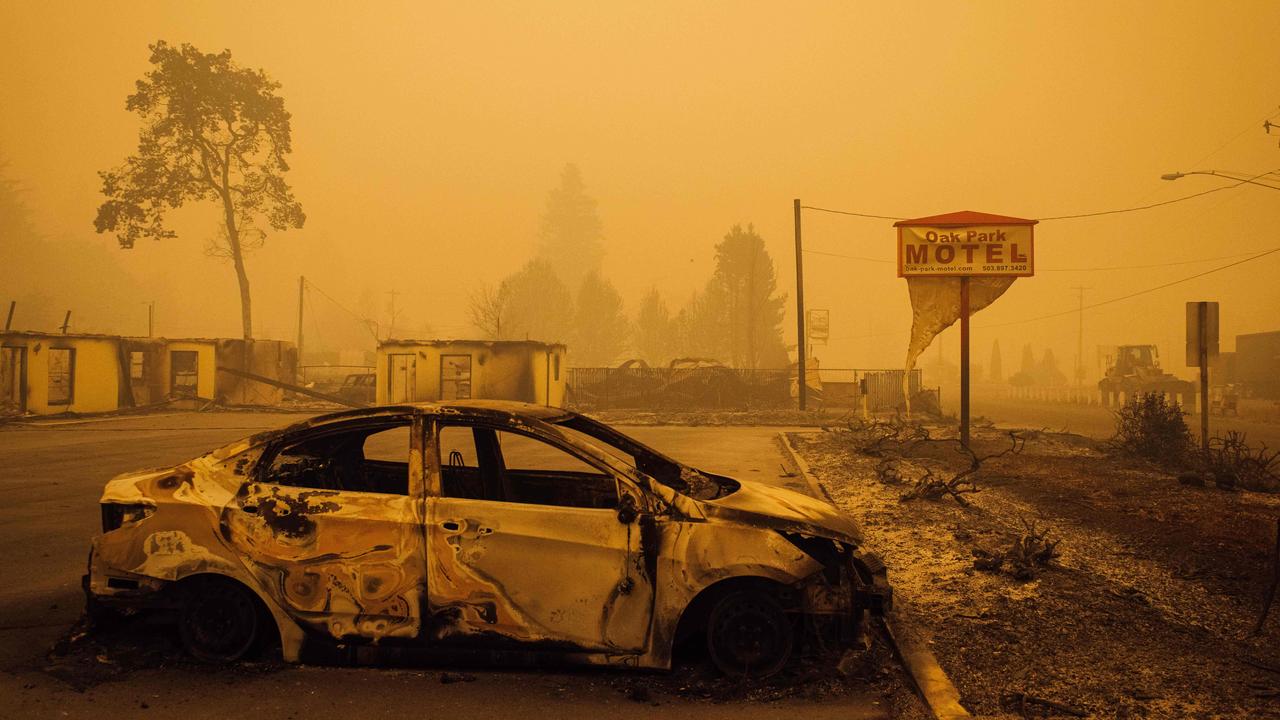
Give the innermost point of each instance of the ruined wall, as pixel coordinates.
(275, 359)
(151, 387)
(499, 371)
(506, 372)
(95, 374)
(206, 365)
(550, 377)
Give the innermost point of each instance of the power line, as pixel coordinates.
(1094, 305)
(848, 257)
(1076, 216)
(364, 321)
(1136, 294)
(1235, 137)
(342, 307)
(850, 212)
(1151, 265)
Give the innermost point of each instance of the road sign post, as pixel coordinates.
(1202, 345)
(964, 360)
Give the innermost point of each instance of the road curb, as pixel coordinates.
(931, 682)
(815, 488)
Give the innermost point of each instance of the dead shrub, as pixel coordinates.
(1152, 427)
(935, 487)
(1233, 463)
(1026, 555)
(889, 472)
(875, 437)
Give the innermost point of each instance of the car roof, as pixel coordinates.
(490, 409)
(545, 413)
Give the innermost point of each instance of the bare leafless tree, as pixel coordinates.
(487, 310)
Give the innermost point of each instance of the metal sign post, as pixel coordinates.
(1202, 345)
(963, 245)
(964, 360)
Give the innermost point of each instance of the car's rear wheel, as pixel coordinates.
(749, 634)
(219, 621)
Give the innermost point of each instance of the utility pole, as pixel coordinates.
(801, 380)
(8, 321)
(1080, 336)
(151, 318)
(66, 322)
(302, 289)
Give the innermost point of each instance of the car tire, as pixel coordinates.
(219, 620)
(749, 634)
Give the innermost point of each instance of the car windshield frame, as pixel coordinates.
(672, 473)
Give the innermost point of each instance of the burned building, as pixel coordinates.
(52, 373)
(524, 370)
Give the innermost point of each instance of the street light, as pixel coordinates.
(1251, 180)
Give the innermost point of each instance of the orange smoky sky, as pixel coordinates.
(427, 136)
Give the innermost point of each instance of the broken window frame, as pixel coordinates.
(261, 472)
(622, 487)
(137, 366)
(456, 379)
(67, 395)
(184, 390)
(15, 356)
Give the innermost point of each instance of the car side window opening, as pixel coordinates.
(483, 463)
(371, 458)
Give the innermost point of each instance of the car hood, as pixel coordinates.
(757, 503)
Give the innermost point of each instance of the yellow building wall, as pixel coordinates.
(206, 366)
(499, 371)
(95, 384)
(549, 373)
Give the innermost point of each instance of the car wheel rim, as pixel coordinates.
(220, 622)
(751, 637)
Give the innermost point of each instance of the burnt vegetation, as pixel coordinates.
(1154, 428)
(1232, 462)
(1029, 552)
(910, 457)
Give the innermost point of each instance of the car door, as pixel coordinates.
(331, 522)
(533, 543)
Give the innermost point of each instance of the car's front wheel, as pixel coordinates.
(219, 621)
(749, 634)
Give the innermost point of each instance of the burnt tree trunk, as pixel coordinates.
(237, 259)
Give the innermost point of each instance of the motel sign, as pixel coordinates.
(990, 245)
(939, 255)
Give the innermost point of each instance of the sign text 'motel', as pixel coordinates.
(979, 249)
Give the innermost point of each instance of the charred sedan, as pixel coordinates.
(476, 527)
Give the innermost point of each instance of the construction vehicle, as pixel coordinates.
(1134, 370)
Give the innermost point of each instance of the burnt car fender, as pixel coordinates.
(872, 591)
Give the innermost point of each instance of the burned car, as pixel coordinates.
(476, 527)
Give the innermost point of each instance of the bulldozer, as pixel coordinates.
(1135, 369)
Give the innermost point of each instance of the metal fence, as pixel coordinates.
(722, 388)
(328, 378)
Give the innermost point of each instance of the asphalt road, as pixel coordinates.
(50, 479)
